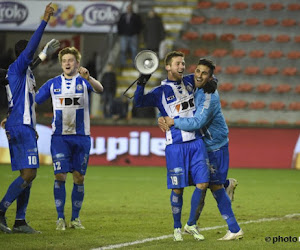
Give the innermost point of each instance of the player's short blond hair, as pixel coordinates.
(69, 50)
(170, 55)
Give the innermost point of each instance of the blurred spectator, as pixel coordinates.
(119, 109)
(146, 112)
(7, 58)
(109, 83)
(129, 27)
(154, 31)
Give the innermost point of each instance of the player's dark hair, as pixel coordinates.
(20, 46)
(208, 63)
(170, 55)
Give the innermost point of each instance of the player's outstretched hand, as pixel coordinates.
(49, 49)
(211, 86)
(143, 79)
(84, 73)
(49, 11)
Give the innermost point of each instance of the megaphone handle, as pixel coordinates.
(129, 88)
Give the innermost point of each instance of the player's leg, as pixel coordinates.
(81, 148)
(176, 181)
(199, 172)
(61, 163)
(24, 157)
(219, 161)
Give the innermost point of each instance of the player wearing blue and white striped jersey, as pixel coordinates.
(20, 128)
(186, 156)
(70, 142)
(209, 118)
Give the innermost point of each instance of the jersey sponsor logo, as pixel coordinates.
(170, 98)
(183, 106)
(66, 102)
(56, 90)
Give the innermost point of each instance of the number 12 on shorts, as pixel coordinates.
(57, 166)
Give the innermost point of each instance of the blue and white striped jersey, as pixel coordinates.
(70, 102)
(173, 99)
(21, 87)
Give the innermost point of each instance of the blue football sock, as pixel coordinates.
(13, 191)
(176, 204)
(195, 203)
(77, 199)
(224, 205)
(60, 198)
(22, 203)
(226, 184)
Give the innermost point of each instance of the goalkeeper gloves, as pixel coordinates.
(49, 48)
(143, 79)
(211, 86)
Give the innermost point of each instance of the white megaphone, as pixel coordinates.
(146, 62)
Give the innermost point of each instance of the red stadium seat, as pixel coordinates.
(283, 88)
(289, 71)
(258, 6)
(220, 52)
(297, 89)
(288, 22)
(264, 38)
(277, 105)
(197, 20)
(184, 51)
(240, 6)
(238, 53)
(190, 35)
(251, 70)
(281, 122)
(294, 7)
(209, 36)
(222, 5)
(223, 103)
(232, 70)
(275, 54)
(227, 37)
(215, 20)
(201, 52)
(264, 88)
(226, 87)
(252, 21)
(256, 54)
(295, 106)
(218, 69)
(239, 104)
(297, 39)
(262, 122)
(245, 37)
(270, 22)
(234, 21)
(191, 68)
(276, 6)
(257, 105)
(270, 70)
(245, 87)
(204, 5)
(293, 54)
(282, 38)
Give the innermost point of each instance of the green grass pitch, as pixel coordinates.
(128, 204)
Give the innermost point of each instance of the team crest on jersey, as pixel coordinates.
(189, 88)
(79, 87)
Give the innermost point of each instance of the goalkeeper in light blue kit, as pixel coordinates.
(186, 155)
(70, 142)
(209, 118)
(20, 128)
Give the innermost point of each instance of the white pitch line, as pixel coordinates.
(202, 229)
